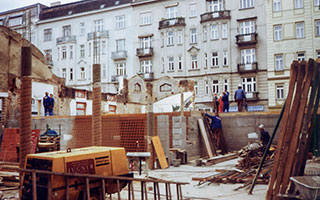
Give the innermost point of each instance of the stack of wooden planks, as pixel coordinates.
(246, 168)
(296, 127)
(9, 177)
(49, 143)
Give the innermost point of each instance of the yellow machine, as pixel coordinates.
(104, 161)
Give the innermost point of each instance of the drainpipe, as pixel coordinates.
(96, 106)
(25, 105)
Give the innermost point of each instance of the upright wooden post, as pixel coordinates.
(96, 107)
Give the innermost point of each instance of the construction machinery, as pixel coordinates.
(102, 161)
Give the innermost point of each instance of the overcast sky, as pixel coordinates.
(12, 4)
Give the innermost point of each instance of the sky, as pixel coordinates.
(13, 4)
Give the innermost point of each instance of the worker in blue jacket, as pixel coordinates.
(51, 105)
(240, 97)
(46, 104)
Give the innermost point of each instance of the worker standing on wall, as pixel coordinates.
(46, 104)
(240, 97)
(51, 105)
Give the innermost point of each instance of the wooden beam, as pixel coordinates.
(205, 137)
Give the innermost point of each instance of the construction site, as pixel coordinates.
(166, 155)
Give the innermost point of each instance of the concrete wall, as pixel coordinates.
(235, 129)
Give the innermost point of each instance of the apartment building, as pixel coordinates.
(23, 20)
(293, 33)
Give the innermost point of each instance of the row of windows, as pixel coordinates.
(299, 30)
(298, 4)
(300, 56)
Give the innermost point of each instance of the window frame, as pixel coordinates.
(300, 32)
(278, 62)
(280, 92)
(193, 36)
(214, 32)
(215, 59)
(120, 21)
(276, 5)
(170, 64)
(277, 34)
(47, 34)
(215, 86)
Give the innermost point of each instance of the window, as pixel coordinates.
(180, 37)
(58, 53)
(66, 31)
(64, 53)
(146, 42)
(180, 63)
(279, 62)
(82, 73)
(15, 21)
(81, 108)
(82, 51)
(193, 36)
(215, 5)
(215, 86)
(170, 64)
(317, 23)
(170, 38)
(96, 49)
(196, 87)
(194, 62)
(300, 30)
(98, 25)
(104, 71)
(205, 33)
(120, 45)
(80, 94)
(137, 87)
(162, 64)
(301, 57)
(89, 49)
(206, 86)
(215, 61)
(247, 27)
(48, 55)
(214, 32)
(224, 31)
(71, 74)
(120, 21)
(276, 5)
(278, 32)
(103, 44)
(193, 10)
(165, 87)
(47, 34)
(162, 39)
(121, 69)
(82, 28)
(205, 55)
(316, 2)
(64, 72)
(298, 4)
(246, 4)
(145, 18)
(71, 52)
(225, 58)
(280, 92)
(248, 56)
(171, 12)
(146, 66)
(226, 85)
(249, 84)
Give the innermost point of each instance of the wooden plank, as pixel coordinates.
(293, 78)
(67, 188)
(103, 189)
(219, 159)
(34, 186)
(87, 188)
(159, 151)
(289, 129)
(297, 127)
(118, 189)
(205, 137)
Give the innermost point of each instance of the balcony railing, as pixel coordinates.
(68, 39)
(145, 52)
(99, 34)
(252, 96)
(249, 67)
(147, 76)
(119, 55)
(245, 39)
(216, 15)
(179, 21)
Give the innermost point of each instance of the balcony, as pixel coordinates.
(68, 39)
(247, 39)
(216, 15)
(116, 78)
(247, 68)
(100, 34)
(119, 55)
(145, 52)
(252, 96)
(166, 23)
(147, 76)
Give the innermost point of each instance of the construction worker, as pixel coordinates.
(51, 105)
(240, 97)
(264, 135)
(46, 104)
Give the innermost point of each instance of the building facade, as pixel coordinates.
(293, 33)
